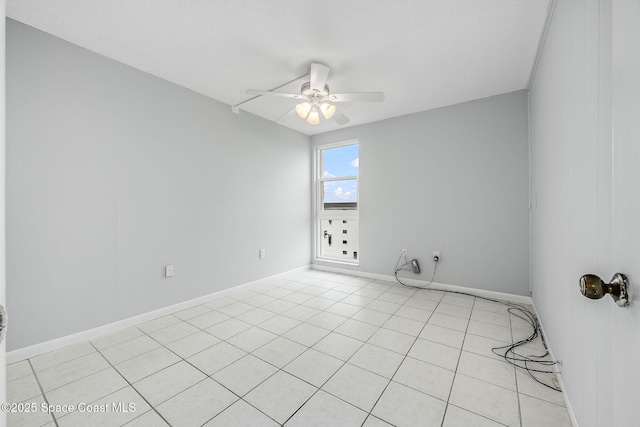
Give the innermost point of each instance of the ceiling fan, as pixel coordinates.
(317, 99)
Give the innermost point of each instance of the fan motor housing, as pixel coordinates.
(307, 91)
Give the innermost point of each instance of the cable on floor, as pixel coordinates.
(510, 354)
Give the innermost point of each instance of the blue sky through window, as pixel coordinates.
(341, 162)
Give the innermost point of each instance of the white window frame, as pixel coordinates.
(320, 212)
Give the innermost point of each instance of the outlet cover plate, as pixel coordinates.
(168, 271)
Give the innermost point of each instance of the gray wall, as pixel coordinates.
(113, 173)
(585, 185)
(453, 179)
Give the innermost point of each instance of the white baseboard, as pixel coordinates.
(438, 286)
(558, 374)
(58, 343)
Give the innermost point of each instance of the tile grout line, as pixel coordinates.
(207, 377)
(403, 358)
(461, 349)
(311, 347)
(241, 397)
(515, 373)
(279, 369)
(345, 362)
(369, 414)
(336, 371)
(132, 387)
(455, 373)
(481, 355)
(44, 397)
(282, 369)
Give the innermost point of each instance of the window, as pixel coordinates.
(337, 179)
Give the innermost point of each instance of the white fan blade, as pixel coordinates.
(357, 97)
(318, 76)
(340, 118)
(287, 115)
(282, 94)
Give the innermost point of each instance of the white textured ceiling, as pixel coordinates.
(422, 54)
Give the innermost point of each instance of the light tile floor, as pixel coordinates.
(310, 349)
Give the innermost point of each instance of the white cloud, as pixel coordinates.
(326, 174)
(342, 195)
(355, 162)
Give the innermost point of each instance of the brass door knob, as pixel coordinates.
(592, 286)
(3, 322)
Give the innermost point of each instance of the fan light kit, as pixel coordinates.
(309, 109)
(316, 98)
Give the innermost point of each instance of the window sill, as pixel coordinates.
(336, 261)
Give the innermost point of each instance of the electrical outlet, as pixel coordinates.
(436, 256)
(168, 271)
(404, 253)
(262, 253)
